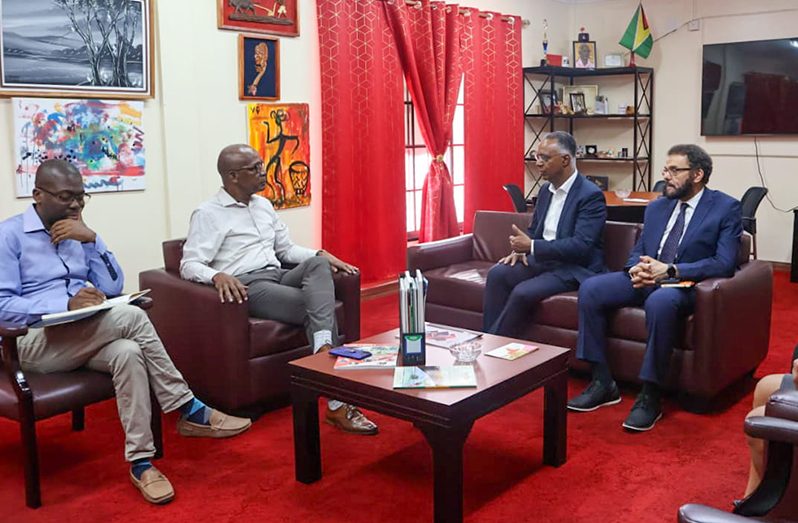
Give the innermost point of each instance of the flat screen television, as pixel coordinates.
(750, 88)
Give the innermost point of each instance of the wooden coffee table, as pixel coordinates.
(444, 416)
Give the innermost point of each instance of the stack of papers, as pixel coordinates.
(412, 297)
(382, 357)
(57, 318)
(434, 377)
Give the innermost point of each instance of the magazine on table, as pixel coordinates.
(455, 376)
(448, 337)
(382, 357)
(512, 351)
(57, 318)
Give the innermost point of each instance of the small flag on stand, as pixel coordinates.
(637, 37)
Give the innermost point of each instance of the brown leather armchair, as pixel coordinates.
(725, 339)
(230, 360)
(776, 499)
(27, 397)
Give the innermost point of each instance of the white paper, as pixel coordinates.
(57, 318)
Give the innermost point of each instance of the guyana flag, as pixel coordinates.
(637, 37)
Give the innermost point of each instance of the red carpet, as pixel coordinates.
(610, 475)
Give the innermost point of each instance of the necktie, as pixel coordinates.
(668, 253)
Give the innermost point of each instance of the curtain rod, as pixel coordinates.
(417, 4)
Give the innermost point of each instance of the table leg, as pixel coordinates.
(447, 462)
(555, 420)
(307, 448)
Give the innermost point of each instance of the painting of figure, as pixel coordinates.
(103, 139)
(279, 17)
(85, 48)
(280, 133)
(258, 68)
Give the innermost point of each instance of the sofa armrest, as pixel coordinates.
(440, 253)
(347, 290)
(783, 405)
(694, 513)
(732, 315)
(772, 429)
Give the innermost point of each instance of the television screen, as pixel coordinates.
(750, 88)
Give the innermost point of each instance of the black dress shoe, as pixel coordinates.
(594, 396)
(645, 413)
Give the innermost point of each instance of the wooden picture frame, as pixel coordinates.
(258, 67)
(75, 58)
(590, 93)
(585, 54)
(276, 17)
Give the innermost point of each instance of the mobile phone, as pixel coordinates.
(348, 352)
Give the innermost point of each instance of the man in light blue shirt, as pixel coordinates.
(51, 261)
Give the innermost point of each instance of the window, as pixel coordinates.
(418, 159)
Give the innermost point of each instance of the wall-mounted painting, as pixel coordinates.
(76, 48)
(280, 133)
(103, 139)
(258, 68)
(278, 17)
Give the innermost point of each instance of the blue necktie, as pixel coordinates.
(668, 253)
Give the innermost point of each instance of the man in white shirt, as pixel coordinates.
(562, 247)
(237, 243)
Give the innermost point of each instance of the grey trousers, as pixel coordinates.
(122, 342)
(304, 295)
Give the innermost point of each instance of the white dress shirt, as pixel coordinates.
(235, 238)
(554, 212)
(688, 214)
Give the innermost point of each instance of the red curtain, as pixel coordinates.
(428, 37)
(494, 111)
(363, 160)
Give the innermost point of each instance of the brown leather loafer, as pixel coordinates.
(154, 486)
(219, 425)
(349, 419)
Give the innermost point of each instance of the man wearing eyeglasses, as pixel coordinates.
(691, 234)
(237, 243)
(561, 248)
(51, 261)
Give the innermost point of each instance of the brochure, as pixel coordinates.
(512, 351)
(57, 318)
(434, 377)
(382, 357)
(448, 337)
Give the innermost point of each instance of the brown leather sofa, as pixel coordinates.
(230, 360)
(725, 339)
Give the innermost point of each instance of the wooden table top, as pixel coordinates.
(635, 199)
(490, 371)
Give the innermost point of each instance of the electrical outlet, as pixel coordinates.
(694, 25)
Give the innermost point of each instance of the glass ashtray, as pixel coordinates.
(466, 352)
(622, 193)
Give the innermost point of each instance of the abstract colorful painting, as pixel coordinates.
(279, 17)
(103, 139)
(280, 133)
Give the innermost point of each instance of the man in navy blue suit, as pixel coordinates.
(691, 234)
(563, 246)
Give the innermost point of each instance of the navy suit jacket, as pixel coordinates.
(577, 249)
(710, 244)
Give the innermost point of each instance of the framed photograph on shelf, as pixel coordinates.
(548, 101)
(589, 92)
(277, 17)
(578, 103)
(58, 49)
(258, 67)
(585, 55)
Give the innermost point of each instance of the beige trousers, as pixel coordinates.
(122, 342)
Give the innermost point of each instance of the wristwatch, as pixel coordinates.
(671, 271)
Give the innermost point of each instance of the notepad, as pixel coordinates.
(57, 318)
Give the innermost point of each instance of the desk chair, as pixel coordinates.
(27, 397)
(517, 196)
(659, 186)
(750, 201)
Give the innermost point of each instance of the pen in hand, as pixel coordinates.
(86, 297)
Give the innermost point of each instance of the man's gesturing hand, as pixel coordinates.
(71, 229)
(519, 241)
(86, 297)
(338, 265)
(230, 288)
(512, 258)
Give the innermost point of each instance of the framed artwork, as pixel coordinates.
(589, 94)
(103, 139)
(548, 101)
(578, 103)
(280, 133)
(75, 48)
(258, 68)
(584, 55)
(278, 17)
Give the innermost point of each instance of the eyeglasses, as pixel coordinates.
(256, 168)
(66, 197)
(673, 171)
(545, 157)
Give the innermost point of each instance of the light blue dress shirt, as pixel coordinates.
(37, 277)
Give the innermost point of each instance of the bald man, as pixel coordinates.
(237, 243)
(51, 261)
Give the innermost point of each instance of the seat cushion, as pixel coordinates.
(271, 337)
(57, 393)
(461, 285)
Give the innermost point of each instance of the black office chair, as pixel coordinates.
(751, 200)
(517, 196)
(659, 186)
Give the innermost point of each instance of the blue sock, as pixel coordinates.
(139, 466)
(195, 411)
